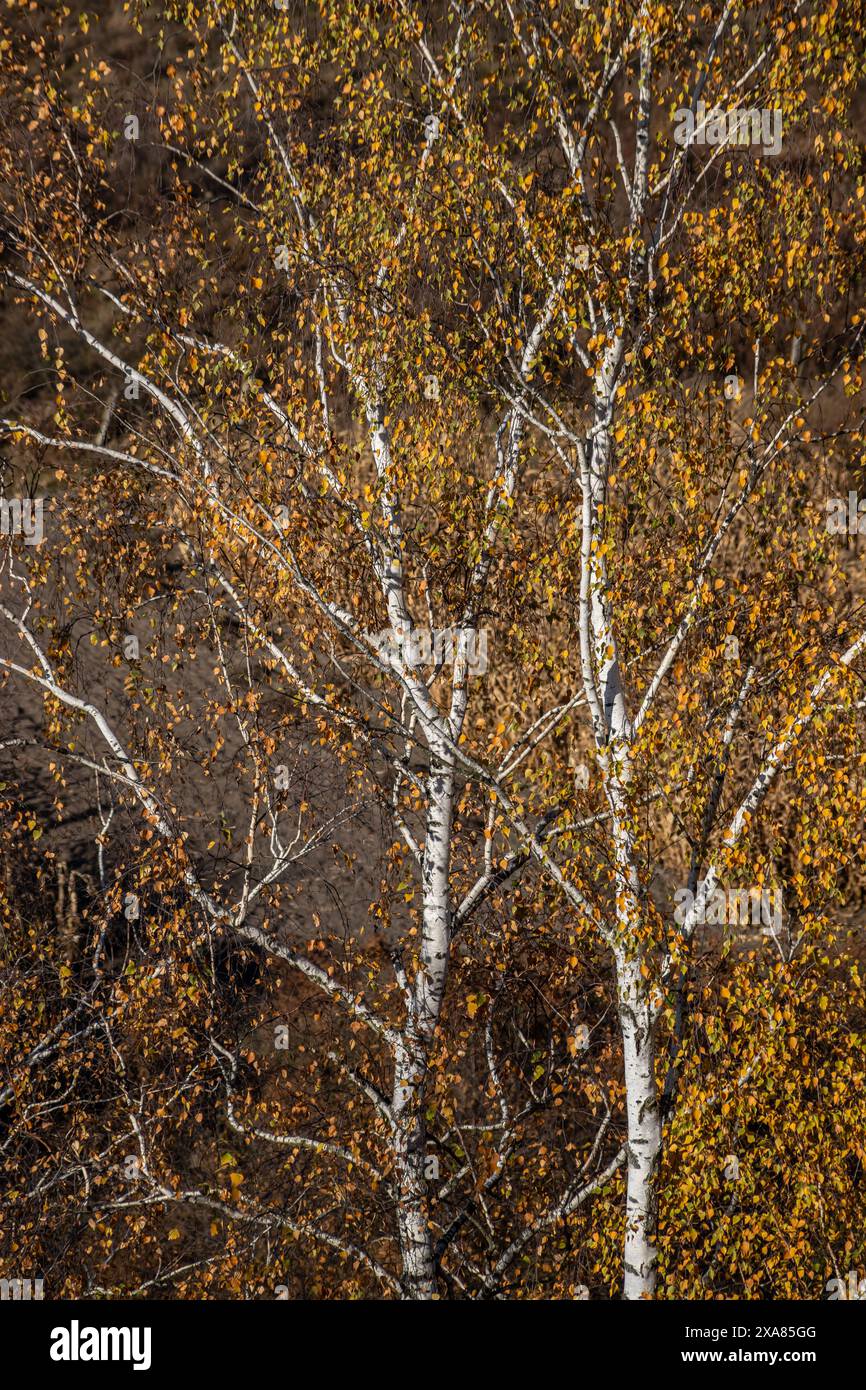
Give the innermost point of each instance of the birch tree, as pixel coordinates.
(483, 376)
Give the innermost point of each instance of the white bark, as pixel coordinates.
(643, 1128)
(416, 1246)
(413, 1052)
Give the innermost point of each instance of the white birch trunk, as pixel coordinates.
(410, 1076)
(644, 1128)
(416, 1247)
